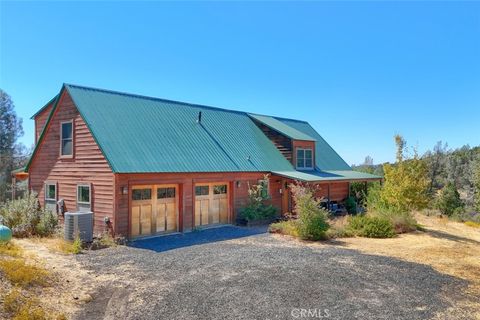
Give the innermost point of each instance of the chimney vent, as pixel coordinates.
(199, 120)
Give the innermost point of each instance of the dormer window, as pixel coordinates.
(66, 139)
(304, 159)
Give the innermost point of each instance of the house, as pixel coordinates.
(148, 166)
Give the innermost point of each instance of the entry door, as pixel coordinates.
(142, 207)
(166, 218)
(211, 203)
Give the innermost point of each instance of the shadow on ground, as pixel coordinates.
(263, 277)
(176, 241)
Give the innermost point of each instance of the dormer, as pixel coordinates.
(297, 147)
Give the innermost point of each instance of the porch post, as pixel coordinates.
(328, 202)
(13, 187)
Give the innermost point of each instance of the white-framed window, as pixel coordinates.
(66, 138)
(304, 158)
(51, 196)
(84, 197)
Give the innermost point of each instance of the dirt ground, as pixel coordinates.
(450, 248)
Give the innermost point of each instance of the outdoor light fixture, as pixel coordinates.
(124, 190)
(239, 184)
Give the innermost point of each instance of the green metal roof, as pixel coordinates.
(144, 134)
(44, 107)
(318, 176)
(141, 134)
(325, 157)
(281, 127)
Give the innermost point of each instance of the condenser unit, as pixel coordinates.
(79, 224)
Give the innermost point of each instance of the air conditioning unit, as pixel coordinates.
(79, 223)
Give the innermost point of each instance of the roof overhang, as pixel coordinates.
(327, 176)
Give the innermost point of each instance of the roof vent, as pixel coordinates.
(199, 119)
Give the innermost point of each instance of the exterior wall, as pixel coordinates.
(40, 121)
(238, 183)
(338, 190)
(302, 144)
(87, 165)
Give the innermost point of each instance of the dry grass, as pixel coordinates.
(20, 273)
(472, 224)
(10, 249)
(449, 247)
(59, 245)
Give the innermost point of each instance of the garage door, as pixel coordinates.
(154, 209)
(211, 203)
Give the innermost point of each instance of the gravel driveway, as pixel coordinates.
(261, 276)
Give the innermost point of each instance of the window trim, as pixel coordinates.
(304, 159)
(89, 185)
(47, 183)
(61, 139)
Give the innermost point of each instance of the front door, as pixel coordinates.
(211, 203)
(153, 209)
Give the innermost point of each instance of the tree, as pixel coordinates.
(476, 184)
(436, 161)
(448, 201)
(10, 130)
(406, 182)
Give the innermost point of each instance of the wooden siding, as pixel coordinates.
(283, 143)
(338, 190)
(87, 165)
(41, 119)
(238, 184)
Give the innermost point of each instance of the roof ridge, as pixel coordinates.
(196, 105)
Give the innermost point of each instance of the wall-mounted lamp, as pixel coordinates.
(123, 190)
(239, 184)
(280, 190)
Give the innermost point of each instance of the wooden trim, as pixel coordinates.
(67, 156)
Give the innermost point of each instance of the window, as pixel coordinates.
(66, 143)
(304, 158)
(164, 193)
(141, 194)
(220, 189)
(201, 191)
(84, 197)
(50, 192)
(51, 196)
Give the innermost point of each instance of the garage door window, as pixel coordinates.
(165, 193)
(201, 190)
(142, 194)
(220, 189)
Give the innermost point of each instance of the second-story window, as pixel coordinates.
(66, 143)
(304, 158)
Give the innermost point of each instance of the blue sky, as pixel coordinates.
(358, 72)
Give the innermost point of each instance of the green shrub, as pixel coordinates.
(312, 219)
(448, 201)
(47, 224)
(256, 208)
(378, 227)
(402, 222)
(351, 205)
(25, 217)
(339, 232)
(289, 228)
(371, 226)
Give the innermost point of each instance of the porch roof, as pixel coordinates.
(330, 175)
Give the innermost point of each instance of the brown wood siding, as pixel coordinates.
(338, 191)
(283, 143)
(88, 165)
(40, 121)
(238, 193)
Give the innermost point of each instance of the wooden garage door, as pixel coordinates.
(211, 203)
(154, 209)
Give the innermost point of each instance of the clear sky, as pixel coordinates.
(358, 72)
